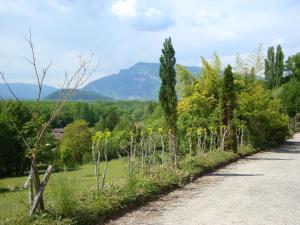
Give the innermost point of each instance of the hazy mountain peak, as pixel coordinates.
(140, 81)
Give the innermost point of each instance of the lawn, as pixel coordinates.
(13, 203)
(90, 208)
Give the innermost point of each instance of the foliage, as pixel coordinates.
(76, 143)
(167, 92)
(292, 66)
(185, 81)
(290, 97)
(264, 120)
(200, 109)
(16, 123)
(274, 67)
(228, 105)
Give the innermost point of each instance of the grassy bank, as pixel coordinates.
(72, 199)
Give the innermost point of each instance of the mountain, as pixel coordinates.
(79, 95)
(140, 81)
(24, 91)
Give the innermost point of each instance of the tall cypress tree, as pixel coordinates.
(274, 66)
(279, 66)
(270, 67)
(228, 104)
(167, 93)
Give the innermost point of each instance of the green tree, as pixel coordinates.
(274, 67)
(263, 116)
(76, 142)
(167, 93)
(290, 97)
(292, 66)
(228, 105)
(270, 67)
(185, 81)
(14, 116)
(279, 66)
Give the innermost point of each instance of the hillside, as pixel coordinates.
(140, 81)
(79, 95)
(24, 91)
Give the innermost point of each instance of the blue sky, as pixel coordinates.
(123, 32)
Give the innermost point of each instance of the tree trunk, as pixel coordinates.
(154, 152)
(129, 163)
(223, 138)
(173, 146)
(190, 145)
(162, 149)
(242, 137)
(230, 142)
(142, 150)
(211, 141)
(104, 171)
(204, 141)
(199, 145)
(97, 169)
(36, 182)
(39, 195)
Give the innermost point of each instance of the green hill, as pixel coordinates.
(79, 95)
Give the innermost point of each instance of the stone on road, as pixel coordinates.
(261, 189)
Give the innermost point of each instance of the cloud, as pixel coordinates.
(152, 19)
(205, 17)
(140, 16)
(124, 8)
(121, 28)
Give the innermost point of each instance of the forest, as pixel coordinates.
(125, 152)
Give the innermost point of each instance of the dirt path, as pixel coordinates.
(261, 189)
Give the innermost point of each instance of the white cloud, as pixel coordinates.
(140, 16)
(124, 8)
(205, 17)
(151, 12)
(152, 19)
(127, 31)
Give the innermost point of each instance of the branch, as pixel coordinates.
(7, 85)
(70, 84)
(39, 77)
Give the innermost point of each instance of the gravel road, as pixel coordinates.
(260, 189)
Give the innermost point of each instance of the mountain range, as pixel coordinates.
(141, 81)
(24, 91)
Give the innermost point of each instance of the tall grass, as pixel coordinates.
(63, 191)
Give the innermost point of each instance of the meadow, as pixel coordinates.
(15, 202)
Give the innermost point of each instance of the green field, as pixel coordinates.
(13, 203)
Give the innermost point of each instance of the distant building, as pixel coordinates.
(58, 133)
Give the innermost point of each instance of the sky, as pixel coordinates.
(123, 32)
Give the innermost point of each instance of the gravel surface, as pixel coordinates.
(260, 189)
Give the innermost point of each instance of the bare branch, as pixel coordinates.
(39, 77)
(8, 86)
(70, 84)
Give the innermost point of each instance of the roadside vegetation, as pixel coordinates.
(117, 155)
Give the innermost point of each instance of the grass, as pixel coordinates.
(14, 203)
(78, 203)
